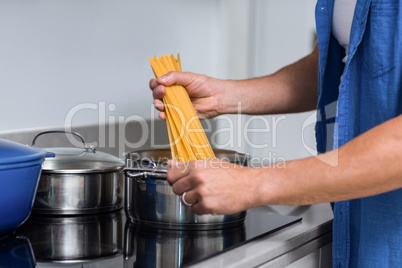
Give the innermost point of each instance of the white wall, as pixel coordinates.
(284, 32)
(85, 62)
(268, 34)
(55, 55)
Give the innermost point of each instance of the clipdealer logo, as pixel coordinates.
(111, 121)
(237, 131)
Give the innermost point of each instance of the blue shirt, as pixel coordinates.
(367, 232)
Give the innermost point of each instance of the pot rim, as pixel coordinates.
(81, 171)
(22, 164)
(148, 166)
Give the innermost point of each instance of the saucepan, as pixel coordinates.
(20, 169)
(79, 180)
(150, 200)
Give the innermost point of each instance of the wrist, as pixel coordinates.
(265, 189)
(233, 97)
(274, 186)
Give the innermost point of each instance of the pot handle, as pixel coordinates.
(133, 173)
(65, 132)
(50, 154)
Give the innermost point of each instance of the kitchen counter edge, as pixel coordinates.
(285, 246)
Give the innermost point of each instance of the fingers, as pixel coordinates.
(162, 116)
(158, 87)
(153, 83)
(173, 78)
(181, 178)
(159, 105)
(177, 170)
(192, 199)
(205, 184)
(178, 78)
(158, 92)
(189, 198)
(182, 185)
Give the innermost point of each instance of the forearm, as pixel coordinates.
(368, 165)
(291, 89)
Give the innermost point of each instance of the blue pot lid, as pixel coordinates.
(13, 152)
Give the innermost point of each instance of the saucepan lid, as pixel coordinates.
(79, 160)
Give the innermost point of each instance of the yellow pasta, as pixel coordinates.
(186, 136)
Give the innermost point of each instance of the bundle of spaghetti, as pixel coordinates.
(187, 138)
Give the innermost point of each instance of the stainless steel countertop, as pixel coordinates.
(289, 244)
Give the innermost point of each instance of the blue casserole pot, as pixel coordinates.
(20, 169)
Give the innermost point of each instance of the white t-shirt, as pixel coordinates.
(342, 22)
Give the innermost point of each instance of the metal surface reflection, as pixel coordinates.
(157, 247)
(16, 251)
(75, 239)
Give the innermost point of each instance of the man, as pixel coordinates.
(361, 171)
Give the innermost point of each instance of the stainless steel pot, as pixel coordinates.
(149, 199)
(75, 239)
(79, 181)
(152, 247)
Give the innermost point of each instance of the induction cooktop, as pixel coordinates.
(111, 240)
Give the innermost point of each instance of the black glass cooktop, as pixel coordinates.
(109, 240)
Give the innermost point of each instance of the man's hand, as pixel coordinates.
(205, 92)
(212, 186)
